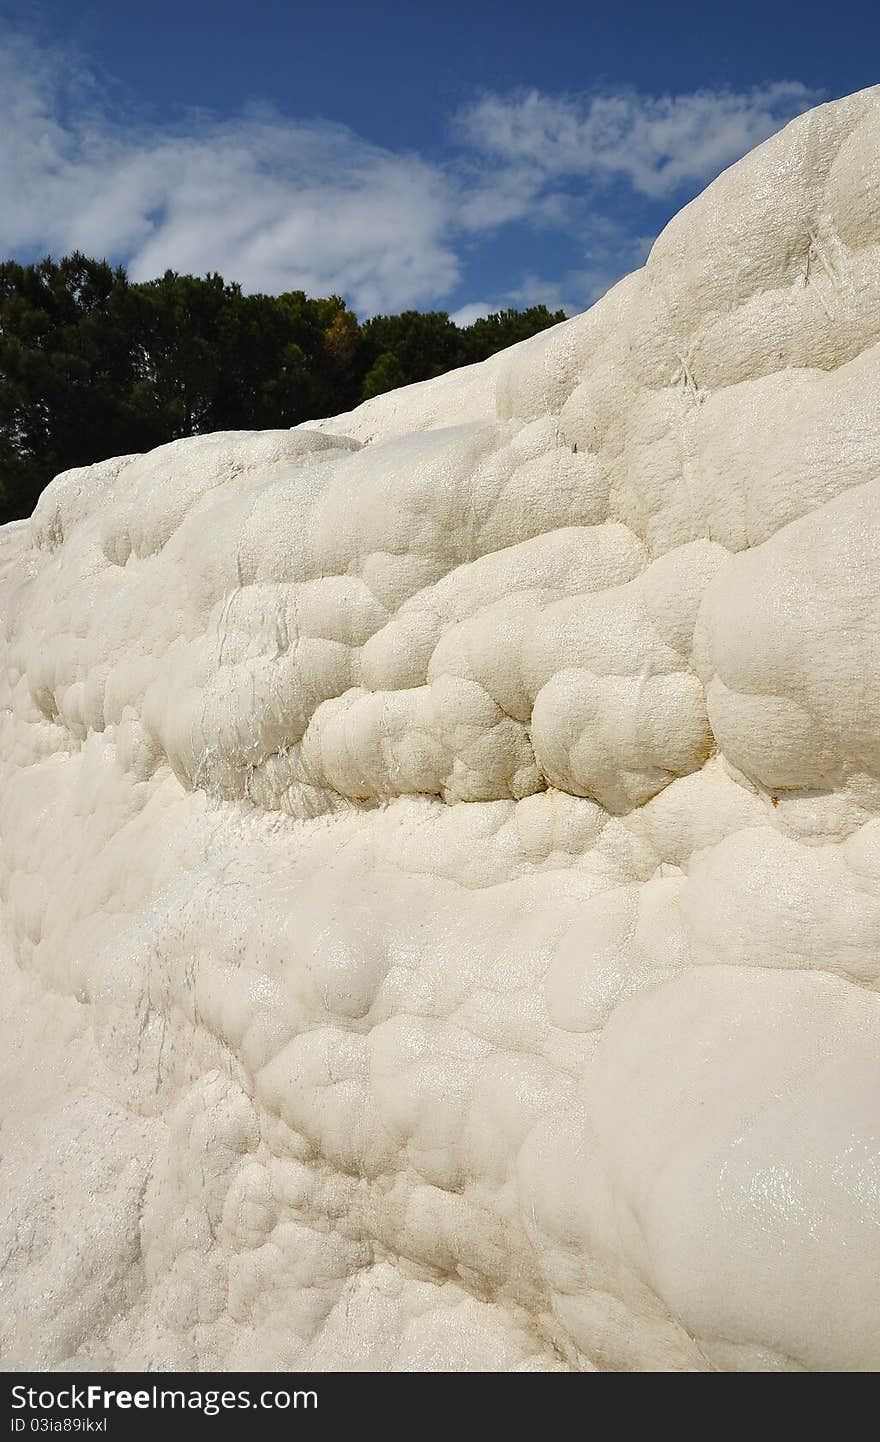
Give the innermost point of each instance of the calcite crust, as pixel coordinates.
(440, 846)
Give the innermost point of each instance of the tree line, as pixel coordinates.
(94, 365)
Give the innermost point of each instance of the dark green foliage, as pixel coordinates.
(65, 363)
(495, 332)
(385, 374)
(425, 344)
(92, 365)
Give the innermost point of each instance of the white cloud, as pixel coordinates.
(475, 310)
(657, 143)
(609, 253)
(278, 204)
(273, 203)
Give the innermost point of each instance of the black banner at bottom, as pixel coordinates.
(126, 1404)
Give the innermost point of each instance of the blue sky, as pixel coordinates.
(460, 157)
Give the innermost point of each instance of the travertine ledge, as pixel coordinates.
(440, 846)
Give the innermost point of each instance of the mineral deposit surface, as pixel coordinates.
(440, 859)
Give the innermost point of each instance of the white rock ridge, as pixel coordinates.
(441, 867)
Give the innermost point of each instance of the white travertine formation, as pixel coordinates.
(440, 866)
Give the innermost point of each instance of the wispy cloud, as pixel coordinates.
(656, 143)
(279, 203)
(273, 203)
(609, 252)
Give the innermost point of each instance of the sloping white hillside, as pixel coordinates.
(440, 846)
